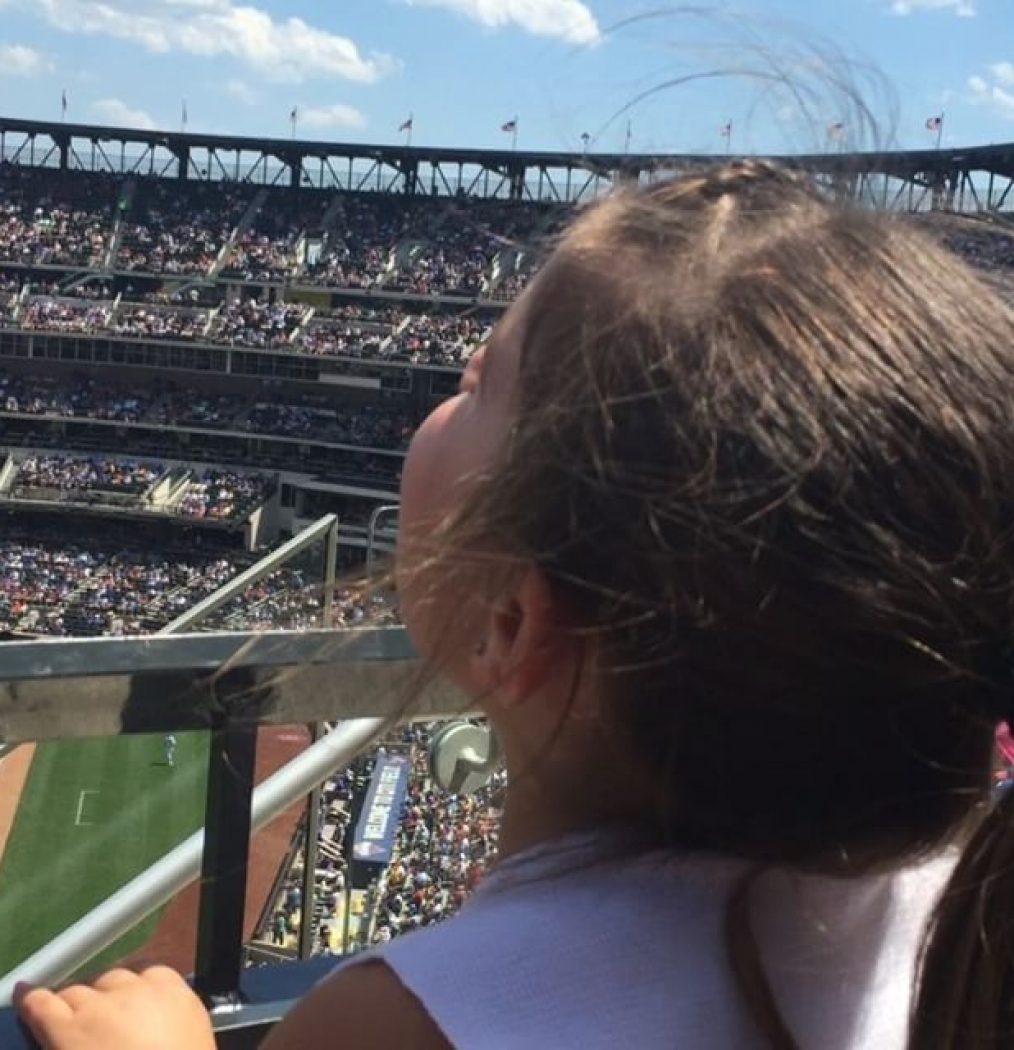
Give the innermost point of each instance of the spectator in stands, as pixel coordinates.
(732, 478)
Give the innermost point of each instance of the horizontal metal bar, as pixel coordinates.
(57, 689)
(70, 950)
(253, 1015)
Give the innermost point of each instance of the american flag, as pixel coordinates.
(726, 130)
(406, 125)
(836, 130)
(934, 123)
(510, 125)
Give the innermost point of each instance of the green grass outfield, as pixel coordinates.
(93, 814)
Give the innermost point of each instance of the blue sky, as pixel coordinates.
(782, 71)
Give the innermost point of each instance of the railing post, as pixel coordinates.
(311, 851)
(330, 572)
(224, 864)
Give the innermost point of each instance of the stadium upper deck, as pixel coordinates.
(297, 306)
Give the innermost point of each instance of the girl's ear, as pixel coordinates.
(524, 634)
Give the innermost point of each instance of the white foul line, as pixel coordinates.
(78, 822)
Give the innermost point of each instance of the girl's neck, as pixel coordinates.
(533, 816)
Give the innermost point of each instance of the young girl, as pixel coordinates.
(718, 532)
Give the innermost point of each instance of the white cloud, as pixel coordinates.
(570, 20)
(16, 60)
(241, 90)
(1004, 72)
(284, 49)
(964, 8)
(116, 112)
(336, 116)
(995, 94)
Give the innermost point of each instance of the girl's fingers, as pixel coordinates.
(44, 1012)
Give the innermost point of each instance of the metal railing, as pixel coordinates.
(101, 927)
(231, 684)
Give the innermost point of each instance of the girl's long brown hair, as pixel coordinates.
(772, 440)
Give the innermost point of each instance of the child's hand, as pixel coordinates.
(153, 1009)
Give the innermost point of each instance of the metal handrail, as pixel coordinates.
(70, 689)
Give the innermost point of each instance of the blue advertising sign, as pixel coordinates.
(378, 823)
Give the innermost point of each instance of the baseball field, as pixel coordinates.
(93, 814)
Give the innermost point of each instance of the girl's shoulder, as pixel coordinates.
(367, 1005)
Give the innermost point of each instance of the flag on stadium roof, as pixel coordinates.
(836, 130)
(406, 125)
(935, 123)
(510, 125)
(726, 130)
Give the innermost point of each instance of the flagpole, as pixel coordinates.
(514, 136)
(183, 116)
(408, 130)
(626, 141)
(940, 131)
(292, 117)
(728, 138)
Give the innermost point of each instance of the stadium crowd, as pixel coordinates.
(66, 315)
(318, 417)
(67, 473)
(216, 494)
(55, 218)
(349, 331)
(284, 414)
(170, 230)
(420, 246)
(79, 397)
(223, 494)
(444, 845)
(109, 579)
(53, 584)
(154, 322)
(379, 333)
(425, 246)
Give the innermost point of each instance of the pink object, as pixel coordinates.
(1005, 743)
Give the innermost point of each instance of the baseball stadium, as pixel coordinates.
(214, 352)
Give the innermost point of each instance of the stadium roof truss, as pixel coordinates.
(979, 179)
